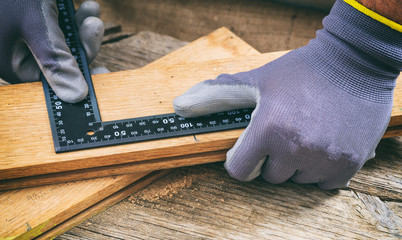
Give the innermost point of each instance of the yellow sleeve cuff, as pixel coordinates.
(374, 15)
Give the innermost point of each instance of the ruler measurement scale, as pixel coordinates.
(79, 126)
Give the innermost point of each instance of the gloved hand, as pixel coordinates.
(320, 110)
(31, 41)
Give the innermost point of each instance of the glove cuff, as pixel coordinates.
(357, 53)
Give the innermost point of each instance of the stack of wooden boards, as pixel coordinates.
(44, 212)
(28, 156)
(29, 159)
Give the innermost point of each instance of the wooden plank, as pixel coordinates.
(231, 46)
(120, 95)
(379, 177)
(114, 170)
(102, 205)
(29, 212)
(203, 202)
(13, 152)
(128, 54)
(133, 53)
(49, 202)
(393, 131)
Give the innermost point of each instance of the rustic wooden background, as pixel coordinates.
(203, 202)
(266, 25)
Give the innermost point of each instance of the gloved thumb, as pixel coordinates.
(225, 93)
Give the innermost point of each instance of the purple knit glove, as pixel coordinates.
(31, 41)
(320, 110)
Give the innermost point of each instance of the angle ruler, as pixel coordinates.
(79, 126)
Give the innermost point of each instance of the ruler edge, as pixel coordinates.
(86, 74)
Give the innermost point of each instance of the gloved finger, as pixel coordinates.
(247, 156)
(328, 173)
(312, 171)
(87, 9)
(24, 63)
(339, 177)
(53, 56)
(99, 70)
(305, 177)
(334, 183)
(278, 169)
(3, 82)
(91, 33)
(211, 96)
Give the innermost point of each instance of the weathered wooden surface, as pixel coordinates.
(56, 203)
(203, 202)
(103, 204)
(266, 25)
(144, 48)
(382, 175)
(29, 212)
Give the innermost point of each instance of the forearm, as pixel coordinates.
(391, 9)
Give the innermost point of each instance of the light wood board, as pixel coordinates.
(103, 204)
(55, 203)
(119, 169)
(29, 212)
(221, 43)
(121, 95)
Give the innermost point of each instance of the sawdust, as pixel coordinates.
(171, 184)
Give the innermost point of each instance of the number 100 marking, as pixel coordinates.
(186, 125)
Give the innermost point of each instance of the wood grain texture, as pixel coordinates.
(33, 154)
(382, 175)
(102, 205)
(136, 52)
(29, 212)
(114, 170)
(129, 53)
(53, 209)
(125, 94)
(231, 45)
(393, 131)
(266, 25)
(205, 203)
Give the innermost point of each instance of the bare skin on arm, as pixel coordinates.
(391, 9)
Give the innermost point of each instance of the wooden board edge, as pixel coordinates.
(56, 219)
(114, 170)
(102, 205)
(132, 167)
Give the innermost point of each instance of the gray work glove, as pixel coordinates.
(31, 41)
(320, 110)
